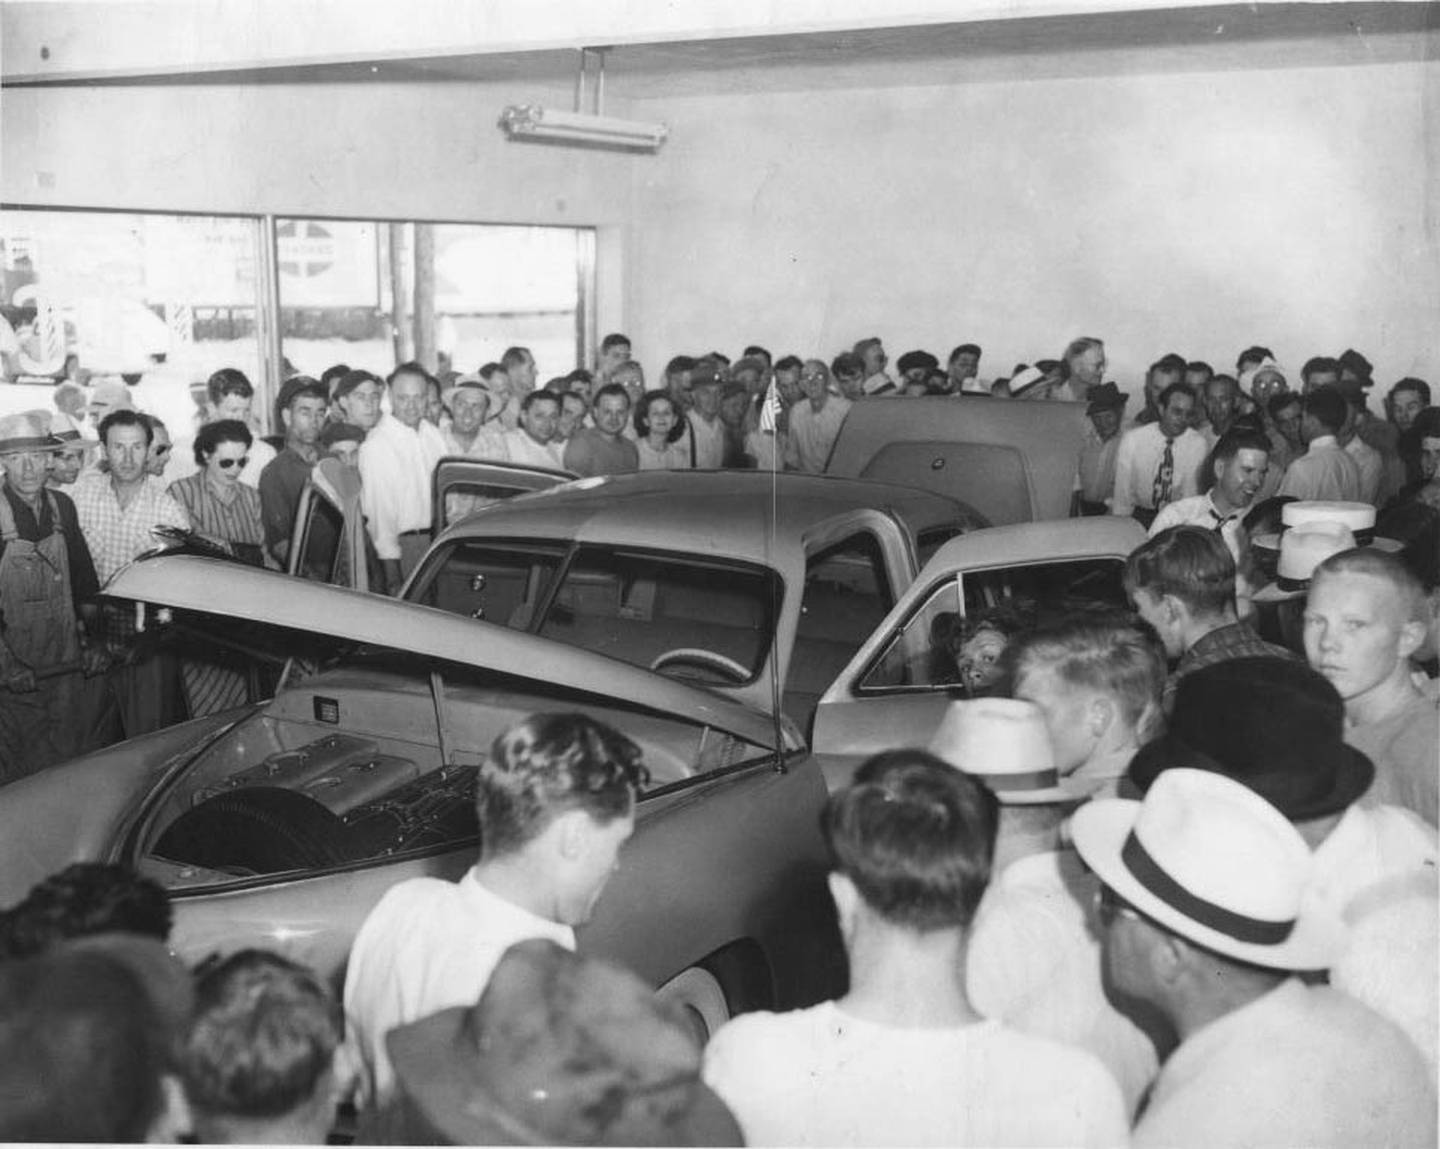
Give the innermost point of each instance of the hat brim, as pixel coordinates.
(432, 1057)
(1271, 592)
(30, 443)
(1099, 830)
(1065, 792)
(1354, 775)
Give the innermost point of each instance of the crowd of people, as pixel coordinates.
(1165, 877)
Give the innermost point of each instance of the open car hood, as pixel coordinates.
(268, 598)
(1012, 461)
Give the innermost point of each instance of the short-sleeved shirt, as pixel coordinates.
(823, 1077)
(118, 536)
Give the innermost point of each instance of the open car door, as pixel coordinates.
(1014, 462)
(463, 485)
(327, 542)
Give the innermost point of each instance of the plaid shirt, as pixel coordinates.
(117, 537)
(1236, 640)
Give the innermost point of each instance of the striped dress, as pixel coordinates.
(217, 682)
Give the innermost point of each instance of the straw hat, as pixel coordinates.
(1003, 743)
(27, 431)
(1302, 549)
(1207, 858)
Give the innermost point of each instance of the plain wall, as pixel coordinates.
(1199, 213)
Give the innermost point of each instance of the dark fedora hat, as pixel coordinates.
(559, 1050)
(1275, 725)
(1105, 397)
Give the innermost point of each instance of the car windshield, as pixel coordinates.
(711, 620)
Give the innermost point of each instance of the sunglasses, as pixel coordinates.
(226, 464)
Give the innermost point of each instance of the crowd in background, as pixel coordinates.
(1167, 877)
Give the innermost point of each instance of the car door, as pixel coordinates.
(462, 485)
(893, 692)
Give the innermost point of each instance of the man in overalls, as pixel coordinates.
(53, 703)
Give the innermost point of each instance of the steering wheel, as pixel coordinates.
(701, 657)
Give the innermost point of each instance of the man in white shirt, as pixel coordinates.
(904, 1058)
(1206, 922)
(1159, 462)
(1324, 472)
(872, 355)
(229, 395)
(533, 441)
(1369, 462)
(556, 801)
(397, 464)
(1106, 412)
(815, 422)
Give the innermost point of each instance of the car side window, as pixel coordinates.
(958, 633)
(500, 584)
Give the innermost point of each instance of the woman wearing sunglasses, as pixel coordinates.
(225, 511)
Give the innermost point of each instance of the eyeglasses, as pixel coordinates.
(1109, 905)
(226, 464)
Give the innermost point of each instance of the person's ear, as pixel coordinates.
(1412, 637)
(174, 1121)
(571, 834)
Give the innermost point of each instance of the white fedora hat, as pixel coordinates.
(1003, 743)
(1302, 549)
(1208, 859)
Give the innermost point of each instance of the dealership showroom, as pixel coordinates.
(720, 572)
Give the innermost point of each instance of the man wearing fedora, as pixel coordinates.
(904, 1058)
(1106, 412)
(555, 799)
(1364, 618)
(1033, 960)
(1203, 891)
(1182, 583)
(1374, 864)
(52, 705)
(558, 1050)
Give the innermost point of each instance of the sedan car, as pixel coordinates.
(282, 824)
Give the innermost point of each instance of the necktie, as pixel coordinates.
(1164, 475)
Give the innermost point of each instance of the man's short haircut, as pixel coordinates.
(612, 389)
(847, 365)
(1282, 399)
(1163, 398)
(1239, 439)
(1256, 354)
(1111, 653)
(301, 387)
(965, 349)
(228, 381)
(125, 417)
(1078, 347)
(262, 1038)
(333, 374)
(614, 339)
(1410, 383)
(1200, 367)
(679, 364)
(912, 359)
(154, 422)
(755, 351)
(916, 837)
(1328, 407)
(539, 397)
(865, 344)
(489, 370)
(410, 367)
(1319, 365)
(548, 765)
(1383, 565)
(211, 435)
(84, 899)
(515, 357)
(789, 363)
(1172, 361)
(557, 385)
(1188, 563)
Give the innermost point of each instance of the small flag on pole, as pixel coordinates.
(770, 410)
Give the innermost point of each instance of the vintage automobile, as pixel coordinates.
(281, 825)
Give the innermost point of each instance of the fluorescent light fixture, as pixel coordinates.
(532, 122)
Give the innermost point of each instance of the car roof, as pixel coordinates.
(738, 514)
(1090, 537)
(233, 590)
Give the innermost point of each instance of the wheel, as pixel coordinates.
(700, 997)
(709, 659)
(257, 830)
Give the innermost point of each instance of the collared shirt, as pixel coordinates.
(709, 441)
(1371, 466)
(397, 464)
(1141, 451)
(813, 433)
(1034, 962)
(231, 514)
(281, 484)
(591, 452)
(1324, 472)
(428, 945)
(84, 585)
(1302, 1065)
(1405, 748)
(1097, 466)
(115, 536)
(487, 444)
(521, 448)
(1234, 640)
(1200, 511)
(823, 1077)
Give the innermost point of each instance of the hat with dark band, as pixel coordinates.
(1105, 397)
(1003, 743)
(27, 431)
